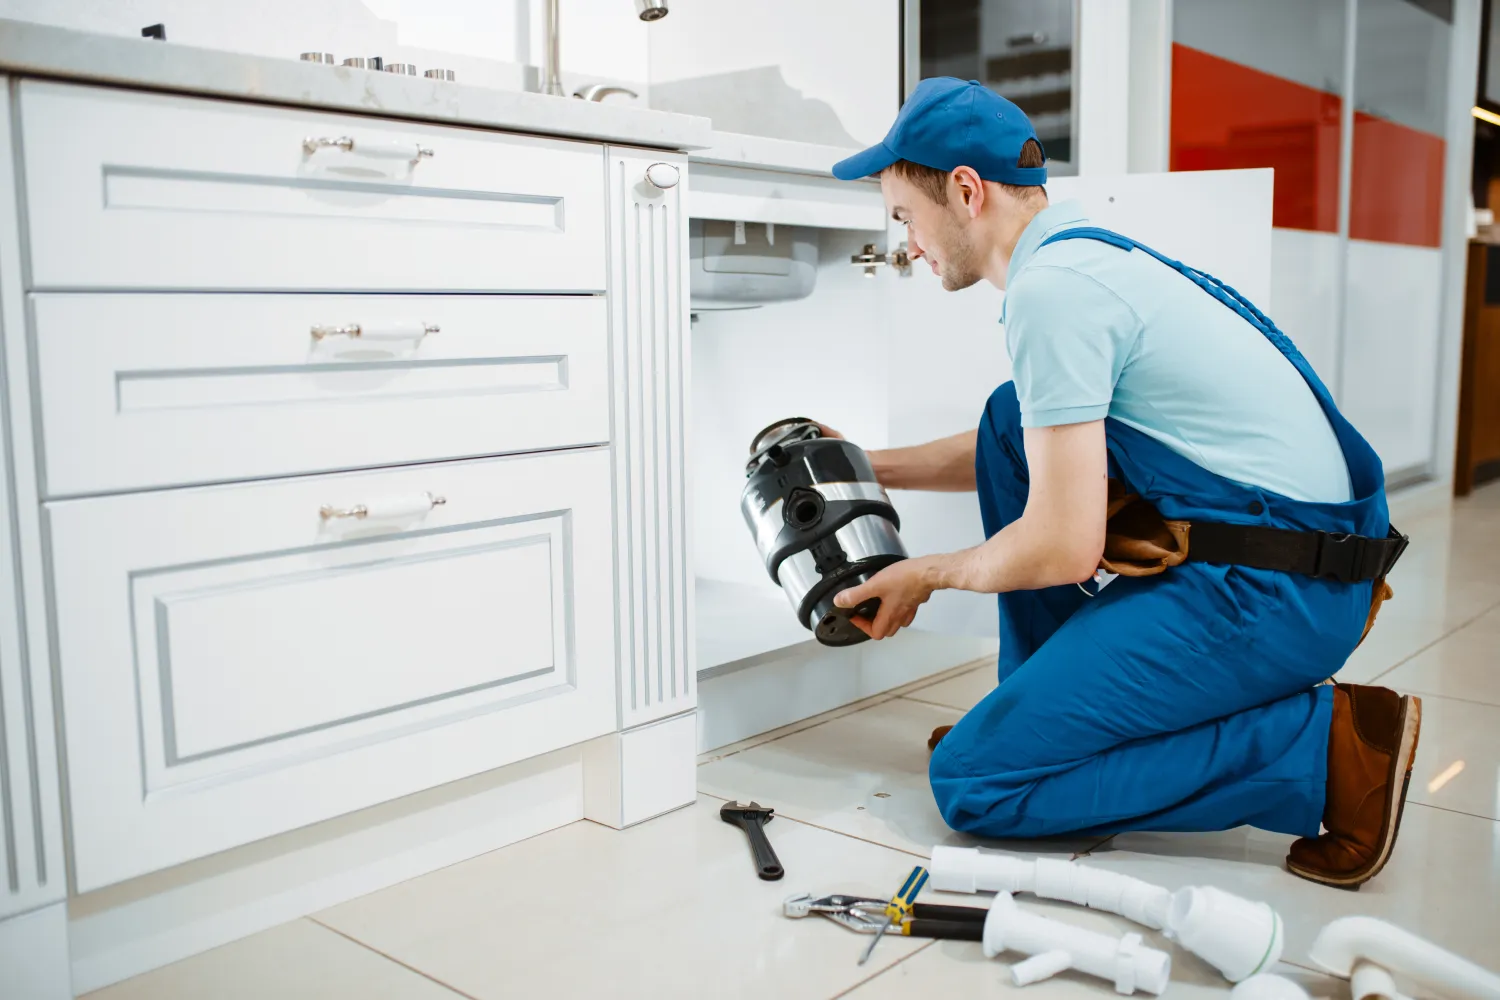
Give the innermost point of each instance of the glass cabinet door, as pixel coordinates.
(1261, 85)
(1021, 49)
(1394, 264)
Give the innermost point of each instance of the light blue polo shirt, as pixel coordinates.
(1094, 331)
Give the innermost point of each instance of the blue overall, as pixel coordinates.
(1184, 701)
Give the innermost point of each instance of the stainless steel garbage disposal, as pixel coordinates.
(821, 521)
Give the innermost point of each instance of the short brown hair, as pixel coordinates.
(934, 183)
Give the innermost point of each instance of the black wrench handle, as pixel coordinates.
(767, 865)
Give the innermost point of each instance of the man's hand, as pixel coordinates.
(902, 588)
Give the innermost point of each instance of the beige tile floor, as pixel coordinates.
(671, 909)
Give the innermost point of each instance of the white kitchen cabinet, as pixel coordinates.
(127, 190)
(234, 664)
(152, 390)
(344, 460)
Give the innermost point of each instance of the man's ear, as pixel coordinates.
(970, 190)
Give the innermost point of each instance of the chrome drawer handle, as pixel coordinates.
(384, 149)
(387, 507)
(397, 330)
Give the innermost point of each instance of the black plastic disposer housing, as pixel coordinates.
(821, 522)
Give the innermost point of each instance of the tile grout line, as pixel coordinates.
(933, 704)
(392, 959)
(845, 711)
(1449, 697)
(879, 698)
(1451, 632)
(1308, 968)
(880, 972)
(863, 704)
(825, 829)
(1456, 812)
(890, 847)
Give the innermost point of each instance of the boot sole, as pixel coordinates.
(1401, 766)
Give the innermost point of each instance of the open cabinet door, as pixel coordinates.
(947, 354)
(947, 349)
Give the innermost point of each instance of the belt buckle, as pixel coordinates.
(1396, 552)
(1339, 556)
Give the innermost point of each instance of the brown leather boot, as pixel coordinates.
(1371, 745)
(937, 737)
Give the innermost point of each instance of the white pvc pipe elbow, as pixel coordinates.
(1056, 946)
(1347, 942)
(1236, 936)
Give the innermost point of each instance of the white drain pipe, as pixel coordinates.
(1055, 946)
(1238, 937)
(1363, 948)
(965, 869)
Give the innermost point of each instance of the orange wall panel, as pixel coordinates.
(1226, 115)
(1396, 187)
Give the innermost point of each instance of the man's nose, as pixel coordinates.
(913, 248)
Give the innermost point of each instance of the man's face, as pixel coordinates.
(939, 232)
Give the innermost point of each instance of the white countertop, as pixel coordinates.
(737, 149)
(28, 49)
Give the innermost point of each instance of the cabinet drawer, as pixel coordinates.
(132, 190)
(234, 664)
(146, 390)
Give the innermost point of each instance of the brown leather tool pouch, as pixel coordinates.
(1379, 594)
(1138, 541)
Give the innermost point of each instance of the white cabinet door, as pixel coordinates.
(648, 301)
(234, 664)
(149, 390)
(947, 356)
(133, 190)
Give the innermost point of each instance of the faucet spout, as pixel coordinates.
(646, 10)
(552, 66)
(599, 91)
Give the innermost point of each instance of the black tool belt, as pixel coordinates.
(1323, 554)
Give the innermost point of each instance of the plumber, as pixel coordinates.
(1158, 427)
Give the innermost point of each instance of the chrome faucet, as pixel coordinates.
(599, 91)
(646, 10)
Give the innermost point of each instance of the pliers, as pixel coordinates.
(864, 915)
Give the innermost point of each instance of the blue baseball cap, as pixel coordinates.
(948, 123)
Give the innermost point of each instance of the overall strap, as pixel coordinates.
(1346, 557)
(1213, 286)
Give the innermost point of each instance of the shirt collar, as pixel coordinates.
(1046, 222)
